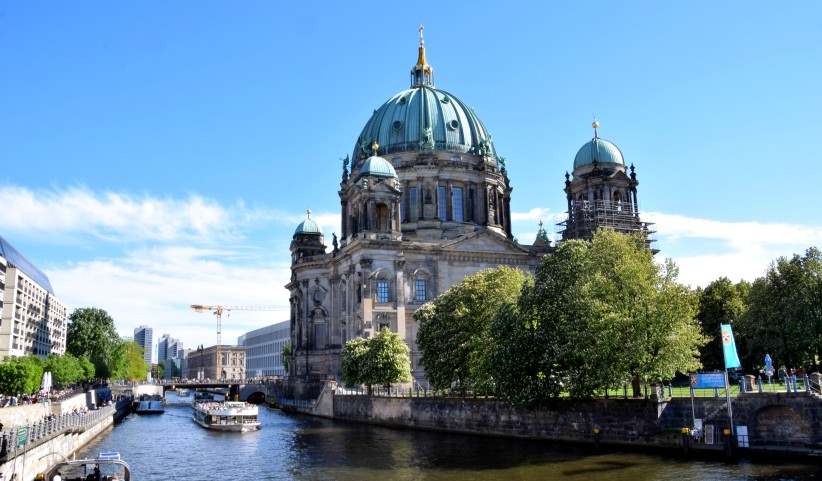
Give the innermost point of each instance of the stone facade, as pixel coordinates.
(434, 209)
(216, 363)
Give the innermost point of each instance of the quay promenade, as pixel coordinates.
(36, 436)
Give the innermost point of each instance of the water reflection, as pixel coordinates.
(300, 448)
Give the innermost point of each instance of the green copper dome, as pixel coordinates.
(424, 118)
(378, 166)
(598, 150)
(308, 226)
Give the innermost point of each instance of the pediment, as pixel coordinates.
(482, 242)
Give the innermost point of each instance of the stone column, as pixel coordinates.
(399, 283)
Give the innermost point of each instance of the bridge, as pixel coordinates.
(251, 391)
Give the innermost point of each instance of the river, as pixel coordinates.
(301, 448)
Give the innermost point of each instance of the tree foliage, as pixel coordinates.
(379, 360)
(21, 375)
(91, 333)
(66, 369)
(599, 313)
(128, 362)
(784, 315)
(286, 354)
(454, 333)
(721, 302)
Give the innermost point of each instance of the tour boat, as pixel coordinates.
(226, 416)
(150, 405)
(108, 466)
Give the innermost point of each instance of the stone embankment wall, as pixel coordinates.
(619, 421)
(775, 422)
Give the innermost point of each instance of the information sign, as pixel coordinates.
(708, 380)
(22, 436)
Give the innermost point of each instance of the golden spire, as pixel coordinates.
(595, 125)
(375, 147)
(422, 72)
(421, 55)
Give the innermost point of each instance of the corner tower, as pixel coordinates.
(601, 193)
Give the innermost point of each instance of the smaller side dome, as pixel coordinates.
(308, 226)
(600, 151)
(378, 167)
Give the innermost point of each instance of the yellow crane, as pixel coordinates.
(218, 311)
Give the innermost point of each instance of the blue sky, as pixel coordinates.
(157, 154)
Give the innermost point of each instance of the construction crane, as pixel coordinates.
(218, 311)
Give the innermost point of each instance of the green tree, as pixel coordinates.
(784, 316)
(91, 333)
(20, 375)
(157, 371)
(128, 361)
(286, 356)
(354, 359)
(600, 313)
(721, 302)
(454, 334)
(87, 367)
(65, 370)
(379, 360)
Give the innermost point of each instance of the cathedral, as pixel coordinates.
(425, 201)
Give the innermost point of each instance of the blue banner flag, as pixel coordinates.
(729, 348)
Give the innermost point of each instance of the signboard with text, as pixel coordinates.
(708, 380)
(22, 436)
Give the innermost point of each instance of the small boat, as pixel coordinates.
(150, 405)
(226, 416)
(183, 392)
(107, 465)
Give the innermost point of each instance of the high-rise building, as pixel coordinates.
(168, 355)
(263, 350)
(144, 336)
(162, 348)
(32, 319)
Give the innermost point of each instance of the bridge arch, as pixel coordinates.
(256, 397)
(780, 424)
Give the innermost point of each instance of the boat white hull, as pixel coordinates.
(235, 428)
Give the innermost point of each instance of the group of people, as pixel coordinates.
(23, 399)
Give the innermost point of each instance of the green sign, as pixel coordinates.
(22, 436)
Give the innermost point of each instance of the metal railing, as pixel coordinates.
(23, 438)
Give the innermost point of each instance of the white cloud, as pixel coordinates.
(535, 215)
(738, 234)
(750, 245)
(116, 216)
(156, 287)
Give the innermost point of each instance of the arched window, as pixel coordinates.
(381, 286)
(421, 287)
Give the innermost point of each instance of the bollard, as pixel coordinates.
(686, 440)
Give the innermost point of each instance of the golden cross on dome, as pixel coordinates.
(308, 213)
(375, 147)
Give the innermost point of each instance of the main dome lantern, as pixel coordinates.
(424, 118)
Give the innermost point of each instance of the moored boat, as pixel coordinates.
(226, 416)
(107, 466)
(150, 405)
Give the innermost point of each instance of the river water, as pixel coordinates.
(300, 448)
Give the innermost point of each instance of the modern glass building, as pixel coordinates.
(263, 348)
(144, 336)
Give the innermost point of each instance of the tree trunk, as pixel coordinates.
(636, 386)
